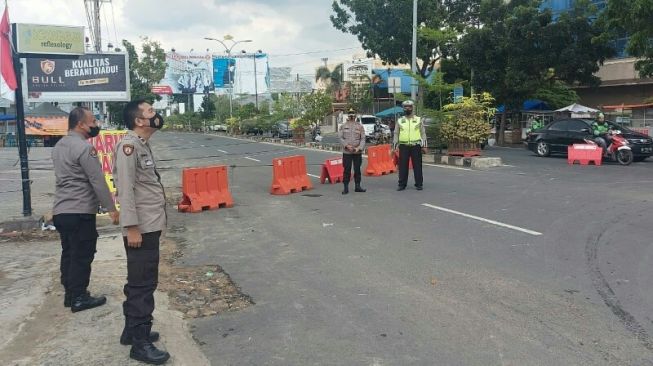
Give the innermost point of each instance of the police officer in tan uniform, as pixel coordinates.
(143, 218)
(80, 186)
(352, 138)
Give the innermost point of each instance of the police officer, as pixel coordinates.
(143, 218)
(352, 138)
(410, 140)
(79, 187)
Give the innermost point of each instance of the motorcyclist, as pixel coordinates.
(600, 129)
(538, 122)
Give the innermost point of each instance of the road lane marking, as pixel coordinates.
(447, 167)
(313, 175)
(252, 159)
(222, 151)
(497, 223)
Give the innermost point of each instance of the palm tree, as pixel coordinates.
(332, 78)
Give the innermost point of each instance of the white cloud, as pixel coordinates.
(277, 27)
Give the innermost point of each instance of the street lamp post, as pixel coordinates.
(413, 89)
(228, 51)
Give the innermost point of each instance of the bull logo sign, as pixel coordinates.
(47, 66)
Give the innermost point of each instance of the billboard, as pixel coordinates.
(355, 70)
(50, 39)
(105, 145)
(90, 77)
(247, 73)
(188, 73)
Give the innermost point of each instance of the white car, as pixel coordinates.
(368, 122)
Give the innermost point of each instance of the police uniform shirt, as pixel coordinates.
(79, 181)
(138, 184)
(352, 133)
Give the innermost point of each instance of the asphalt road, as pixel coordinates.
(534, 263)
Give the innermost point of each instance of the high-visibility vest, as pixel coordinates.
(410, 130)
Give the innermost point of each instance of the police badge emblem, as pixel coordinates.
(128, 149)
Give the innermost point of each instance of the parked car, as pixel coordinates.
(282, 130)
(556, 136)
(219, 127)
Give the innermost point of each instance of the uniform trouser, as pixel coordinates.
(78, 243)
(142, 279)
(347, 160)
(406, 154)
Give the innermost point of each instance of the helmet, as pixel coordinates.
(407, 103)
(600, 116)
(351, 110)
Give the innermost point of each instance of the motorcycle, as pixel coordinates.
(619, 149)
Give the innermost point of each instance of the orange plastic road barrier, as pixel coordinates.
(395, 160)
(584, 154)
(205, 188)
(289, 175)
(379, 161)
(332, 170)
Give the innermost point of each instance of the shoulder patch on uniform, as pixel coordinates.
(93, 152)
(128, 149)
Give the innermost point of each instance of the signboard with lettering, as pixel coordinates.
(105, 145)
(90, 77)
(50, 39)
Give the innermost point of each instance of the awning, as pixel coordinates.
(390, 112)
(577, 108)
(529, 105)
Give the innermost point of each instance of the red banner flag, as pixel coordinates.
(8, 80)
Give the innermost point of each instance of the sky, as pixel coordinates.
(281, 28)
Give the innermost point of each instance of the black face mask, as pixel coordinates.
(94, 131)
(156, 121)
(408, 112)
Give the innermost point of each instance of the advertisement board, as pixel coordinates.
(355, 70)
(248, 74)
(50, 39)
(90, 77)
(188, 73)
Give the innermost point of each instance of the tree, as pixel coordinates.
(634, 19)
(287, 106)
(208, 106)
(316, 106)
(332, 78)
(557, 95)
(384, 28)
(519, 49)
(144, 72)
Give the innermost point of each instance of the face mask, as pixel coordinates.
(94, 131)
(408, 112)
(156, 121)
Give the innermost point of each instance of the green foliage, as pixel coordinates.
(144, 72)
(557, 95)
(208, 107)
(316, 106)
(332, 78)
(468, 120)
(634, 18)
(384, 27)
(287, 106)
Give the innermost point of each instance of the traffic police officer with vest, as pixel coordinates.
(410, 140)
(352, 138)
(79, 187)
(143, 218)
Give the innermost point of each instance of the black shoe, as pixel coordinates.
(68, 299)
(345, 190)
(148, 353)
(86, 301)
(400, 188)
(419, 188)
(360, 189)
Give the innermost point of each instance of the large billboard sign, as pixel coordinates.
(90, 77)
(188, 73)
(248, 74)
(357, 70)
(50, 39)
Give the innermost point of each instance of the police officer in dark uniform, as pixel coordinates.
(143, 218)
(80, 186)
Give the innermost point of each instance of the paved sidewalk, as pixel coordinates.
(36, 329)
